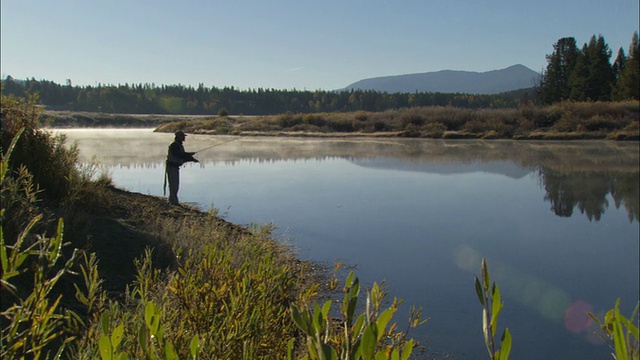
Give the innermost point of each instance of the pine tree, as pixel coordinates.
(578, 78)
(592, 77)
(600, 79)
(554, 83)
(618, 64)
(628, 84)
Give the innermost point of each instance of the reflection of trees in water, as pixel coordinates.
(588, 190)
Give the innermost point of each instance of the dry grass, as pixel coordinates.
(567, 120)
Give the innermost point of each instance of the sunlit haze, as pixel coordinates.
(287, 44)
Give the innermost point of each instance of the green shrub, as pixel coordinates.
(368, 335)
(49, 161)
(620, 333)
(33, 322)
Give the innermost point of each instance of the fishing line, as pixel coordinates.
(212, 146)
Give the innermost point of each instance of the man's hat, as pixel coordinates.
(180, 133)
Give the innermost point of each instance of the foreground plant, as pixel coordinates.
(620, 333)
(33, 324)
(370, 335)
(491, 302)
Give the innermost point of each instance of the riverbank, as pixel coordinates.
(563, 121)
(122, 224)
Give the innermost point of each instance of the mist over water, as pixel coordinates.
(557, 221)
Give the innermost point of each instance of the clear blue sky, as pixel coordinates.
(286, 44)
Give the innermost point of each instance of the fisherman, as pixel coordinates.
(175, 158)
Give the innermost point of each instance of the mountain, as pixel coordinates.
(452, 81)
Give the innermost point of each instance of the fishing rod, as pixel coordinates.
(212, 146)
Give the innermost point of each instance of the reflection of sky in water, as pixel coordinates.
(423, 225)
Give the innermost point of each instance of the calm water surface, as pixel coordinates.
(557, 222)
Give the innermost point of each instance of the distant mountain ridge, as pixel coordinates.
(453, 81)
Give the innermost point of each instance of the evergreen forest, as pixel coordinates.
(588, 75)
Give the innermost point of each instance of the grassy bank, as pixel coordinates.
(563, 121)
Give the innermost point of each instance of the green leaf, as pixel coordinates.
(56, 243)
(380, 355)
(328, 352)
(407, 350)
(349, 282)
(496, 306)
(3, 254)
(143, 338)
(618, 334)
(325, 309)
(486, 279)
(170, 352)
(375, 294)
(194, 345)
(357, 327)
(317, 321)
(116, 336)
(151, 317)
(355, 289)
(106, 352)
(479, 290)
(383, 320)
(290, 345)
(631, 328)
(104, 322)
(7, 155)
(505, 350)
(300, 319)
(369, 340)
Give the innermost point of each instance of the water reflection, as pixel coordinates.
(583, 176)
(589, 192)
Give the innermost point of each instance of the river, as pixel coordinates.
(556, 221)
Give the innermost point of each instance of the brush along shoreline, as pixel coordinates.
(562, 121)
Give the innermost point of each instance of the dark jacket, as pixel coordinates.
(177, 156)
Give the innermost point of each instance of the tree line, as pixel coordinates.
(181, 99)
(571, 74)
(587, 74)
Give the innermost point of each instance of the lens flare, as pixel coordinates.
(576, 319)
